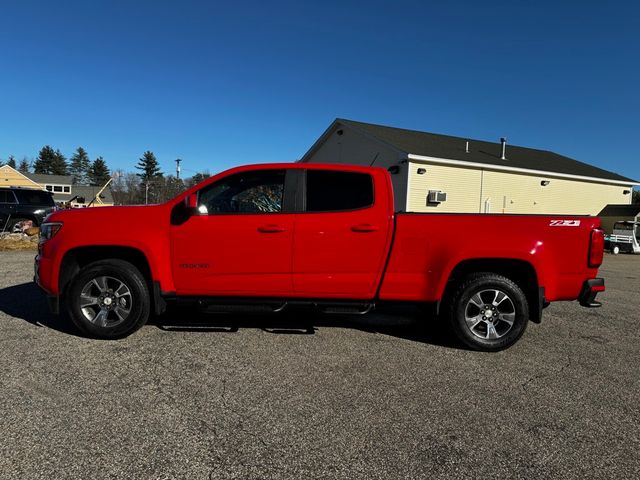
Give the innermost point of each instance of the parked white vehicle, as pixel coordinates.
(625, 237)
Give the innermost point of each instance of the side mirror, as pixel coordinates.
(186, 209)
(191, 202)
(192, 207)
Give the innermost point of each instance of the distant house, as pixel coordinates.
(10, 177)
(59, 185)
(440, 173)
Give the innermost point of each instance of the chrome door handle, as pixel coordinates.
(364, 228)
(271, 229)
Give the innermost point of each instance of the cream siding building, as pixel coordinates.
(472, 174)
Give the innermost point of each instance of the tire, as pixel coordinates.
(615, 250)
(14, 225)
(108, 299)
(488, 312)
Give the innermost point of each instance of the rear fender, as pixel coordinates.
(523, 271)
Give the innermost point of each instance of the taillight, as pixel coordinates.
(596, 248)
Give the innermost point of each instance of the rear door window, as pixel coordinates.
(35, 197)
(335, 191)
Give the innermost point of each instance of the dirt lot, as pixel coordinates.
(371, 397)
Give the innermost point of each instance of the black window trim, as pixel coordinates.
(302, 191)
(19, 192)
(15, 198)
(288, 196)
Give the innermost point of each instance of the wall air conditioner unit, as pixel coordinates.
(436, 196)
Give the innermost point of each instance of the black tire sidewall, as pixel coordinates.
(124, 272)
(487, 282)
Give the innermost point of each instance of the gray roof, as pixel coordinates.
(89, 192)
(44, 178)
(481, 152)
(618, 210)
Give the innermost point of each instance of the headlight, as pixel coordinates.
(48, 230)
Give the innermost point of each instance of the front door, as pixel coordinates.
(240, 244)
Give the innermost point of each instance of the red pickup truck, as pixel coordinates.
(278, 236)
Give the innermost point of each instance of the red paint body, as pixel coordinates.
(365, 254)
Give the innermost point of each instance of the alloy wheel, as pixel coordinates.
(489, 314)
(106, 301)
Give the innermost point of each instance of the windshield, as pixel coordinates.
(34, 197)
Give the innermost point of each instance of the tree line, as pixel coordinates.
(149, 185)
(52, 162)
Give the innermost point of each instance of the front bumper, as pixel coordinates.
(44, 282)
(590, 289)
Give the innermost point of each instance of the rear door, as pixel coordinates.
(342, 235)
(36, 203)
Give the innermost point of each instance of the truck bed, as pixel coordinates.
(427, 247)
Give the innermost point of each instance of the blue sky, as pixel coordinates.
(224, 83)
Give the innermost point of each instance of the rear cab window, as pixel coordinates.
(338, 191)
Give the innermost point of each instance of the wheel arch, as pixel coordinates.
(521, 272)
(76, 258)
(24, 216)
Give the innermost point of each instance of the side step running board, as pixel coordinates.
(241, 308)
(346, 308)
(253, 305)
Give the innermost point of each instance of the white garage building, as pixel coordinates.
(441, 173)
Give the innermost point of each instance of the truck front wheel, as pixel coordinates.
(108, 299)
(488, 312)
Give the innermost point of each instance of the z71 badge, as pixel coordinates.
(564, 223)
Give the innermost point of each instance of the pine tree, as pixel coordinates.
(79, 167)
(148, 165)
(12, 161)
(166, 188)
(98, 173)
(59, 166)
(45, 160)
(197, 178)
(636, 196)
(24, 165)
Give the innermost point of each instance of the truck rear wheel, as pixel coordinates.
(488, 312)
(108, 299)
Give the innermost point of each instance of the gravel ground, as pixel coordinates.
(319, 397)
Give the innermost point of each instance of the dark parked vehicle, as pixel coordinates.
(20, 204)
